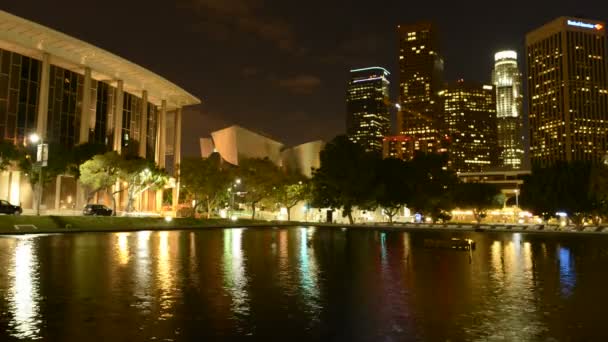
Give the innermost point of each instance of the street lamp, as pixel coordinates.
(41, 160)
(237, 182)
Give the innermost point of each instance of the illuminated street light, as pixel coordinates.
(34, 138)
(41, 159)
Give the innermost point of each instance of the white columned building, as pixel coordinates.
(111, 101)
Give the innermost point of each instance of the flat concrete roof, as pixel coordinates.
(34, 40)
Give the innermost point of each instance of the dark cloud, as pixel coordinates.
(301, 84)
(222, 18)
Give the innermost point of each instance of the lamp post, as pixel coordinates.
(42, 160)
(237, 182)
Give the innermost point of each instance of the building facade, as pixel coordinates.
(567, 91)
(509, 117)
(470, 124)
(235, 142)
(420, 80)
(70, 92)
(367, 107)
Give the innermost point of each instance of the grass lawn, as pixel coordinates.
(55, 224)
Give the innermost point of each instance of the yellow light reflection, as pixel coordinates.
(515, 316)
(24, 295)
(123, 248)
(235, 280)
(165, 276)
(143, 270)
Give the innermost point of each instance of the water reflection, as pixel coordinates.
(510, 311)
(24, 291)
(165, 275)
(122, 250)
(567, 276)
(309, 273)
(318, 284)
(235, 280)
(143, 272)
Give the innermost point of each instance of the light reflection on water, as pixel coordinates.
(317, 284)
(235, 279)
(24, 297)
(309, 276)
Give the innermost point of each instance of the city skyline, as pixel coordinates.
(253, 56)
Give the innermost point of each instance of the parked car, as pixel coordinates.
(9, 209)
(96, 210)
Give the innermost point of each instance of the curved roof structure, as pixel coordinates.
(33, 40)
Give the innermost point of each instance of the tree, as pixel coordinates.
(563, 187)
(81, 154)
(139, 175)
(100, 173)
(59, 159)
(598, 192)
(259, 177)
(479, 197)
(346, 178)
(292, 190)
(206, 180)
(394, 187)
(433, 185)
(8, 154)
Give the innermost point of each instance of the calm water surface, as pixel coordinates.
(302, 284)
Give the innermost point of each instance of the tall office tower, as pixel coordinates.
(420, 80)
(509, 119)
(470, 123)
(367, 106)
(567, 91)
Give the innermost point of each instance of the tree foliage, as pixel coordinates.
(579, 189)
(479, 197)
(206, 181)
(8, 154)
(259, 178)
(394, 186)
(291, 190)
(100, 173)
(433, 185)
(137, 175)
(346, 178)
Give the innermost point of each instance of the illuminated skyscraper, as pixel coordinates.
(509, 120)
(567, 91)
(367, 106)
(470, 123)
(420, 80)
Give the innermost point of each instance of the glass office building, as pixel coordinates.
(567, 91)
(509, 117)
(367, 106)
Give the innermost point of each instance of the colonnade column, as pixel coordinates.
(85, 112)
(162, 136)
(143, 125)
(161, 150)
(118, 107)
(43, 96)
(177, 156)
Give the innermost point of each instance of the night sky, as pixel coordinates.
(281, 66)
